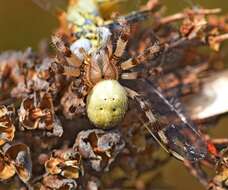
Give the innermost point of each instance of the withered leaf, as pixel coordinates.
(99, 147)
(37, 111)
(20, 155)
(66, 163)
(7, 169)
(58, 183)
(7, 128)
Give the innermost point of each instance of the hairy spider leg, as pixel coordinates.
(73, 62)
(150, 53)
(121, 41)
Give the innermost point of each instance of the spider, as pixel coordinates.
(101, 70)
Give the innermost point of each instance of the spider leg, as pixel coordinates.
(121, 41)
(109, 49)
(65, 51)
(71, 71)
(124, 22)
(130, 76)
(151, 52)
(145, 73)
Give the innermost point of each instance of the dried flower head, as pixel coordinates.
(7, 169)
(37, 111)
(66, 163)
(7, 128)
(99, 147)
(16, 159)
(50, 182)
(107, 70)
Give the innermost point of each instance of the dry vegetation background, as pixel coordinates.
(24, 24)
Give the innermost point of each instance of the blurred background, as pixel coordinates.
(24, 24)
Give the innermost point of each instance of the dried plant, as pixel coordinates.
(125, 78)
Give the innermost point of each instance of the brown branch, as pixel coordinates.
(221, 38)
(186, 13)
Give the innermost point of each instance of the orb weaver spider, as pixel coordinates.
(103, 69)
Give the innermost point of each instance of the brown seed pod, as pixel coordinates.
(65, 163)
(99, 147)
(7, 128)
(7, 169)
(37, 111)
(16, 159)
(50, 182)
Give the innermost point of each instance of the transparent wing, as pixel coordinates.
(167, 125)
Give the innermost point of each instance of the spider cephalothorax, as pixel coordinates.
(99, 67)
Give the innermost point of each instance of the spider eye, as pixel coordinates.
(107, 103)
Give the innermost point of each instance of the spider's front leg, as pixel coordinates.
(73, 99)
(121, 41)
(67, 60)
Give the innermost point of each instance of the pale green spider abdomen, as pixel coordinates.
(107, 103)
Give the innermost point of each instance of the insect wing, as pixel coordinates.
(173, 131)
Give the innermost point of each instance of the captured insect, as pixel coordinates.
(102, 80)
